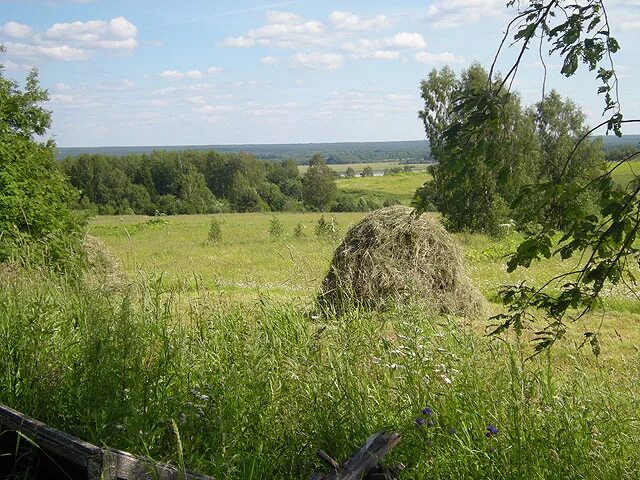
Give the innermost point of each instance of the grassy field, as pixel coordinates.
(209, 357)
(402, 186)
(626, 172)
(376, 166)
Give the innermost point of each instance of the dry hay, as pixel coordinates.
(393, 258)
(104, 269)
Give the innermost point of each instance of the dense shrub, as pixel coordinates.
(36, 222)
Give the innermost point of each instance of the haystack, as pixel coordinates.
(105, 270)
(393, 258)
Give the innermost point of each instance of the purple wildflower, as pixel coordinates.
(427, 411)
(491, 430)
(420, 421)
(452, 431)
(429, 423)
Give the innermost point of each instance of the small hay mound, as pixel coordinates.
(393, 258)
(104, 269)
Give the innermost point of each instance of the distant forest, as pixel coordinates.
(185, 182)
(211, 181)
(334, 153)
(191, 182)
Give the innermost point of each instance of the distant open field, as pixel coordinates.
(248, 262)
(401, 185)
(626, 172)
(376, 166)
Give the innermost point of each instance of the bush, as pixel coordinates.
(215, 231)
(36, 222)
(299, 231)
(276, 229)
(327, 229)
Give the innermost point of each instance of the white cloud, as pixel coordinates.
(237, 42)
(283, 30)
(192, 74)
(208, 109)
(406, 40)
(115, 34)
(198, 99)
(395, 97)
(35, 52)
(445, 57)
(285, 18)
(172, 74)
(369, 50)
(159, 103)
(10, 66)
(349, 21)
(16, 30)
(630, 23)
(76, 41)
(454, 13)
(385, 49)
(269, 60)
(61, 98)
(317, 60)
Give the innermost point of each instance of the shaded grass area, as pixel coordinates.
(256, 389)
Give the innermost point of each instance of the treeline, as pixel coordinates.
(186, 182)
(333, 153)
(626, 152)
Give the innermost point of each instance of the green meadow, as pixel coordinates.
(210, 355)
(376, 166)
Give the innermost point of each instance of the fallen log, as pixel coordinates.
(365, 464)
(43, 452)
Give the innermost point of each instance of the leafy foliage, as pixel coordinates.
(478, 177)
(276, 229)
(36, 223)
(215, 231)
(318, 184)
(600, 242)
(185, 182)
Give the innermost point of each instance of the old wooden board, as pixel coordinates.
(34, 450)
(366, 462)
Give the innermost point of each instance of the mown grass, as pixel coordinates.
(255, 390)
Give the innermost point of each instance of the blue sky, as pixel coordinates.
(162, 72)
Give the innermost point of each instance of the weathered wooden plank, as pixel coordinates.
(125, 466)
(84, 455)
(74, 458)
(366, 461)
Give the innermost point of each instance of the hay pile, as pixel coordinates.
(104, 270)
(392, 258)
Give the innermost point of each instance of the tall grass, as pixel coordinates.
(254, 391)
